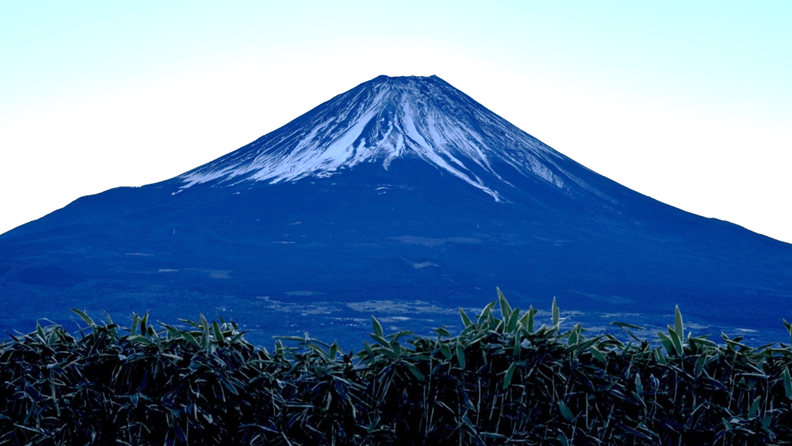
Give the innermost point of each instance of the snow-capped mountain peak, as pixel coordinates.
(383, 120)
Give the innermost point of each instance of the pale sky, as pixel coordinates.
(687, 102)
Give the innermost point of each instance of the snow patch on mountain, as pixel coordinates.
(385, 119)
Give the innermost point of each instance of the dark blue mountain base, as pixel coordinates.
(410, 244)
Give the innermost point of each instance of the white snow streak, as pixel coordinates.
(406, 122)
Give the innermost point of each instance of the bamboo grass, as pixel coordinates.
(501, 380)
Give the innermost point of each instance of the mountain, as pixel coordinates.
(404, 198)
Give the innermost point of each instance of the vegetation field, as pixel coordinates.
(506, 378)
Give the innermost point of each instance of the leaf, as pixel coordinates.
(754, 410)
(508, 378)
(369, 351)
(442, 332)
(565, 412)
(626, 325)
(573, 335)
(511, 325)
(505, 308)
(639, 386)
(485, 313)
(517, 348)
(676, 340)
(40, 332)
(446, 351)
(531, 313)
(417, 373)
(460, 353)
(380, 340)
(678, 327)
(218, 334)
(556, 314)
(666, 341)
(787, 383)
(598, 355)
(135, 322)
(84, 317)
(140, 339)
(190, 338)
(700, 363)
(465, 319)
(493, 435)
(377, 327)
(389, 352)
(143, 324)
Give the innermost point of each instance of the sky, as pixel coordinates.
(687, 102)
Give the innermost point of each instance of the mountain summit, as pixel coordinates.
(402, 197)
(385, 119)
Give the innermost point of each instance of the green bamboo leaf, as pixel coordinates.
(700, 363)
(290, 338)
(675, 340)
(384, 342)
(460, 353)
(485, 313)
(678, 328)
(387, 351)
(237, 337)
(505, 308)
(140, 339)
(531, 313)
(659, 356)
(442, 332)
(40, 332)
(369, 350)
(517, 348)
(465, 319)
(766, 421)
(228, 385)
(514, 318)
(190, 338)
(417, 373)
(508, 378)
(639, 386)
(666, 341)
(143, 324)
(135, 323)
(377, 327)
(565, 412)
(573, 336)
(446, 351)
(598, 355)
(787, 383)
(84, 317)
(218, 334)
(754, 410)
(205, 328)
(556, 314)
(626, 325)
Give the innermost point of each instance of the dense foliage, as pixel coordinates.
(502, 380)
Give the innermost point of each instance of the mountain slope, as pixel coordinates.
(402, 197)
